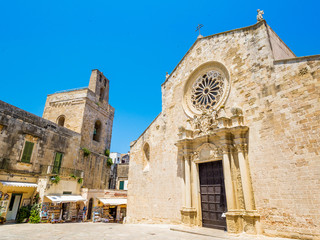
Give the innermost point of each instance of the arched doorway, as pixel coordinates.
(217, 182)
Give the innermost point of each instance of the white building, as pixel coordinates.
(116, 157)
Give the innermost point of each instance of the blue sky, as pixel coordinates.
(48, 46)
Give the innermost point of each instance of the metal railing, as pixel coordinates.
(42, 169)
(64, 172)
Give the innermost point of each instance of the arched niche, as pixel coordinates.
(146, 157)
(61, 120)
(97, 131)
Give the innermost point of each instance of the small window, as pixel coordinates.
(27, 152)
(101, 94)
(121, 185)
(57, 163)
(97, 131)
(61, 121)
(66, 193)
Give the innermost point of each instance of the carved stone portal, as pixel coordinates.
(212, 136)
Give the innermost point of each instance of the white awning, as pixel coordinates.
(19, 184)
(113, 201)
(65, 198)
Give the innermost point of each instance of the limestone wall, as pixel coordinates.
(70, 104)
(96, 172)
(19, 126)
(154, 191)
(94, 112)
(49, 138)
(123, 170)
(284, 148)
(280, 101)
(65, 185)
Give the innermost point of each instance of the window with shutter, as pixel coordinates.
(121, 185)
(57, 163)
(27, 152)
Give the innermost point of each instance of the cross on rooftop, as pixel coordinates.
(199, 27)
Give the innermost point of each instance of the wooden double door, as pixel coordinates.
(213, 197)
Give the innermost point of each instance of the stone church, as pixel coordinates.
(236, 145)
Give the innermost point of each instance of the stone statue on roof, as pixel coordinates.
(259, 15)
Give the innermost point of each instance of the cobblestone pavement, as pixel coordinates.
(101, 231)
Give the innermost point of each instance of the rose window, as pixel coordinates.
(207, 90)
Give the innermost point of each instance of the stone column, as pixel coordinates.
(228, 178)
(233, 216)
(251, 218)
(194, 185)
(245, 177)
(188, 213)
(187, 181)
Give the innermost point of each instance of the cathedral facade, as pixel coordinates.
(236, 145)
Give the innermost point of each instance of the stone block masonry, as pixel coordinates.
(264, 127)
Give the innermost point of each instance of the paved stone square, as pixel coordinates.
(104, 231)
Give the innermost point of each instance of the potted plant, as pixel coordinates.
(35, 213)
(23, 214)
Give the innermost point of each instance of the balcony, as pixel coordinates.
(62, 172)
(13, 166)
(40, 169)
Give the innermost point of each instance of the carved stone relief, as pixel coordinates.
(207, 152)
(204, 123)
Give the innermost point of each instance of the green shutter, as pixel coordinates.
(121, 185)
(57, 163)
(27, 152)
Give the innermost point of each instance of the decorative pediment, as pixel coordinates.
(207, 152)
(210, 122)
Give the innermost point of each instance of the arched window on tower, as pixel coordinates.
(101, 94)
(60, 121)
(97, 131)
